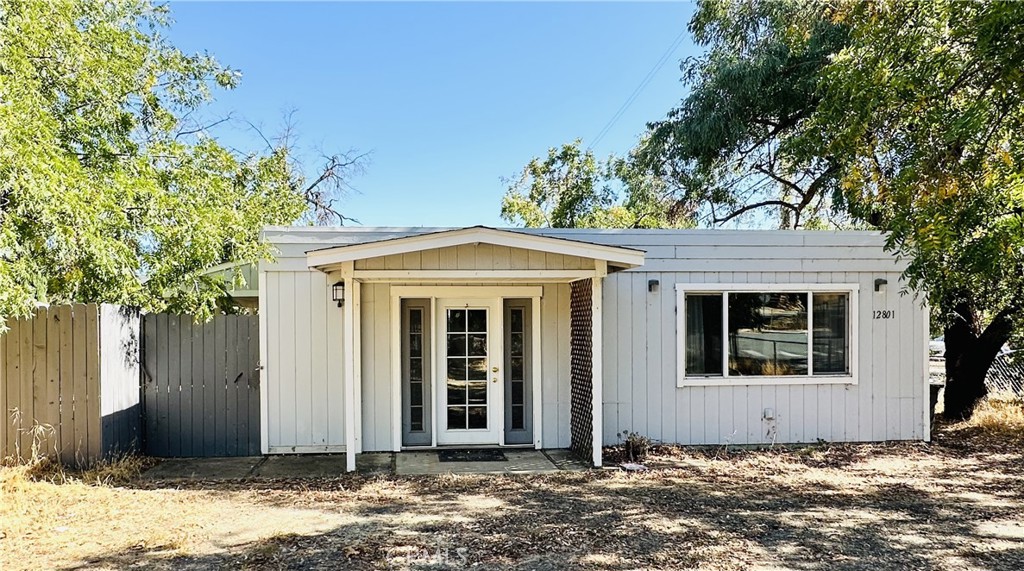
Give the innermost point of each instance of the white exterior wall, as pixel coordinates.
(641, 348)
(303, 340)
(302, 334)
(303, 328)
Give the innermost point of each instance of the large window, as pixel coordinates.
(745, 333)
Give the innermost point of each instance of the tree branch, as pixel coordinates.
(749, 207)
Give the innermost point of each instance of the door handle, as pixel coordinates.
(494, 379)
(494, 369)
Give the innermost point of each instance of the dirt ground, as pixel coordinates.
(957, 503)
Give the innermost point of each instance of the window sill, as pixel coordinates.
(770, 381)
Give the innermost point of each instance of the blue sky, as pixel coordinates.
(447, 97)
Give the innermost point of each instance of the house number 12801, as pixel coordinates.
(885, 313)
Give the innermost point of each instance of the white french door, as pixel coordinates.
(469, 372)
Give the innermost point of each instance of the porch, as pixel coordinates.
(335, 465)
(471, 337)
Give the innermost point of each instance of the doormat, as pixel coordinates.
(471, 455)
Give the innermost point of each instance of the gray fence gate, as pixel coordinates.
(200, 388)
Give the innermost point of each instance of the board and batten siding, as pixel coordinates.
(641, 392)
(303, 331)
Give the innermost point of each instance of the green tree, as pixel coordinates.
(903, 115)
(926, 108)
(734, 150)
(111, 189)
(570, 188)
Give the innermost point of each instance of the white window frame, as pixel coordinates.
(682, 380)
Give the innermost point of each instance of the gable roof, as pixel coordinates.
(617, 256)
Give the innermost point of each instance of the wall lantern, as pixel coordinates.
(880, 284)
(652, 285)
(338, 293)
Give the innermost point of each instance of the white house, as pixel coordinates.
(387, 339)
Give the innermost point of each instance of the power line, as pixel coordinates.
(639, 88)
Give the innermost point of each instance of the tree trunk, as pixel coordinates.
(969, 355)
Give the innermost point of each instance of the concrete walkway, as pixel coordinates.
(333, 465)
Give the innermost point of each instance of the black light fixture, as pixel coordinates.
(880, 284)
(338, 293)
(652, 285)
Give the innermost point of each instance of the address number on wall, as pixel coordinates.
(885, 313)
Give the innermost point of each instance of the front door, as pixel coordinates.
(469, 405)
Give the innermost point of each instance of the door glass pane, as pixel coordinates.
(456, 320)
(456, 345)
(768, 333)
(456, 393)
(456, 369)
(516, 320)
(517, 393)
(517, 368)
(478, 417)
(456, 417)
(416, 418)
(478, 393)
(476, 369)
(478, 344)
(477, 320)
(516, 341)
(518, 417)
(416, 394)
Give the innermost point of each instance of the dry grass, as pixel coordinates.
(955, 504)
(1001, 414)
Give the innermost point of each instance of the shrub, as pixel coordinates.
(637, 445)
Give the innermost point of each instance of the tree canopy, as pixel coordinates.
(111, 187)
(570, 188)
(906, 117)
(925, 107)
(734, 147)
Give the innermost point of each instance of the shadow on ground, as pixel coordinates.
(926, 507)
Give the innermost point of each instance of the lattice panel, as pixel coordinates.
(1006, 375)
(581, 376)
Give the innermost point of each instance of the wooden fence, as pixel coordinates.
(69, 383)
(201, 385)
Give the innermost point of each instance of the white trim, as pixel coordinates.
(752, 380)
(473, 292)
(537, 372)
(243, 293)
(532, 276)
(752, 287)
(853, 319)
(331, 256)
(357, 365)
(926, 372)
(348, 374)
(308, 449)
(396, 373)
(433, 360)
(597, 374)
(264, 370)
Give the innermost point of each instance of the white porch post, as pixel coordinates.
(597, 356)
(349, 370)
